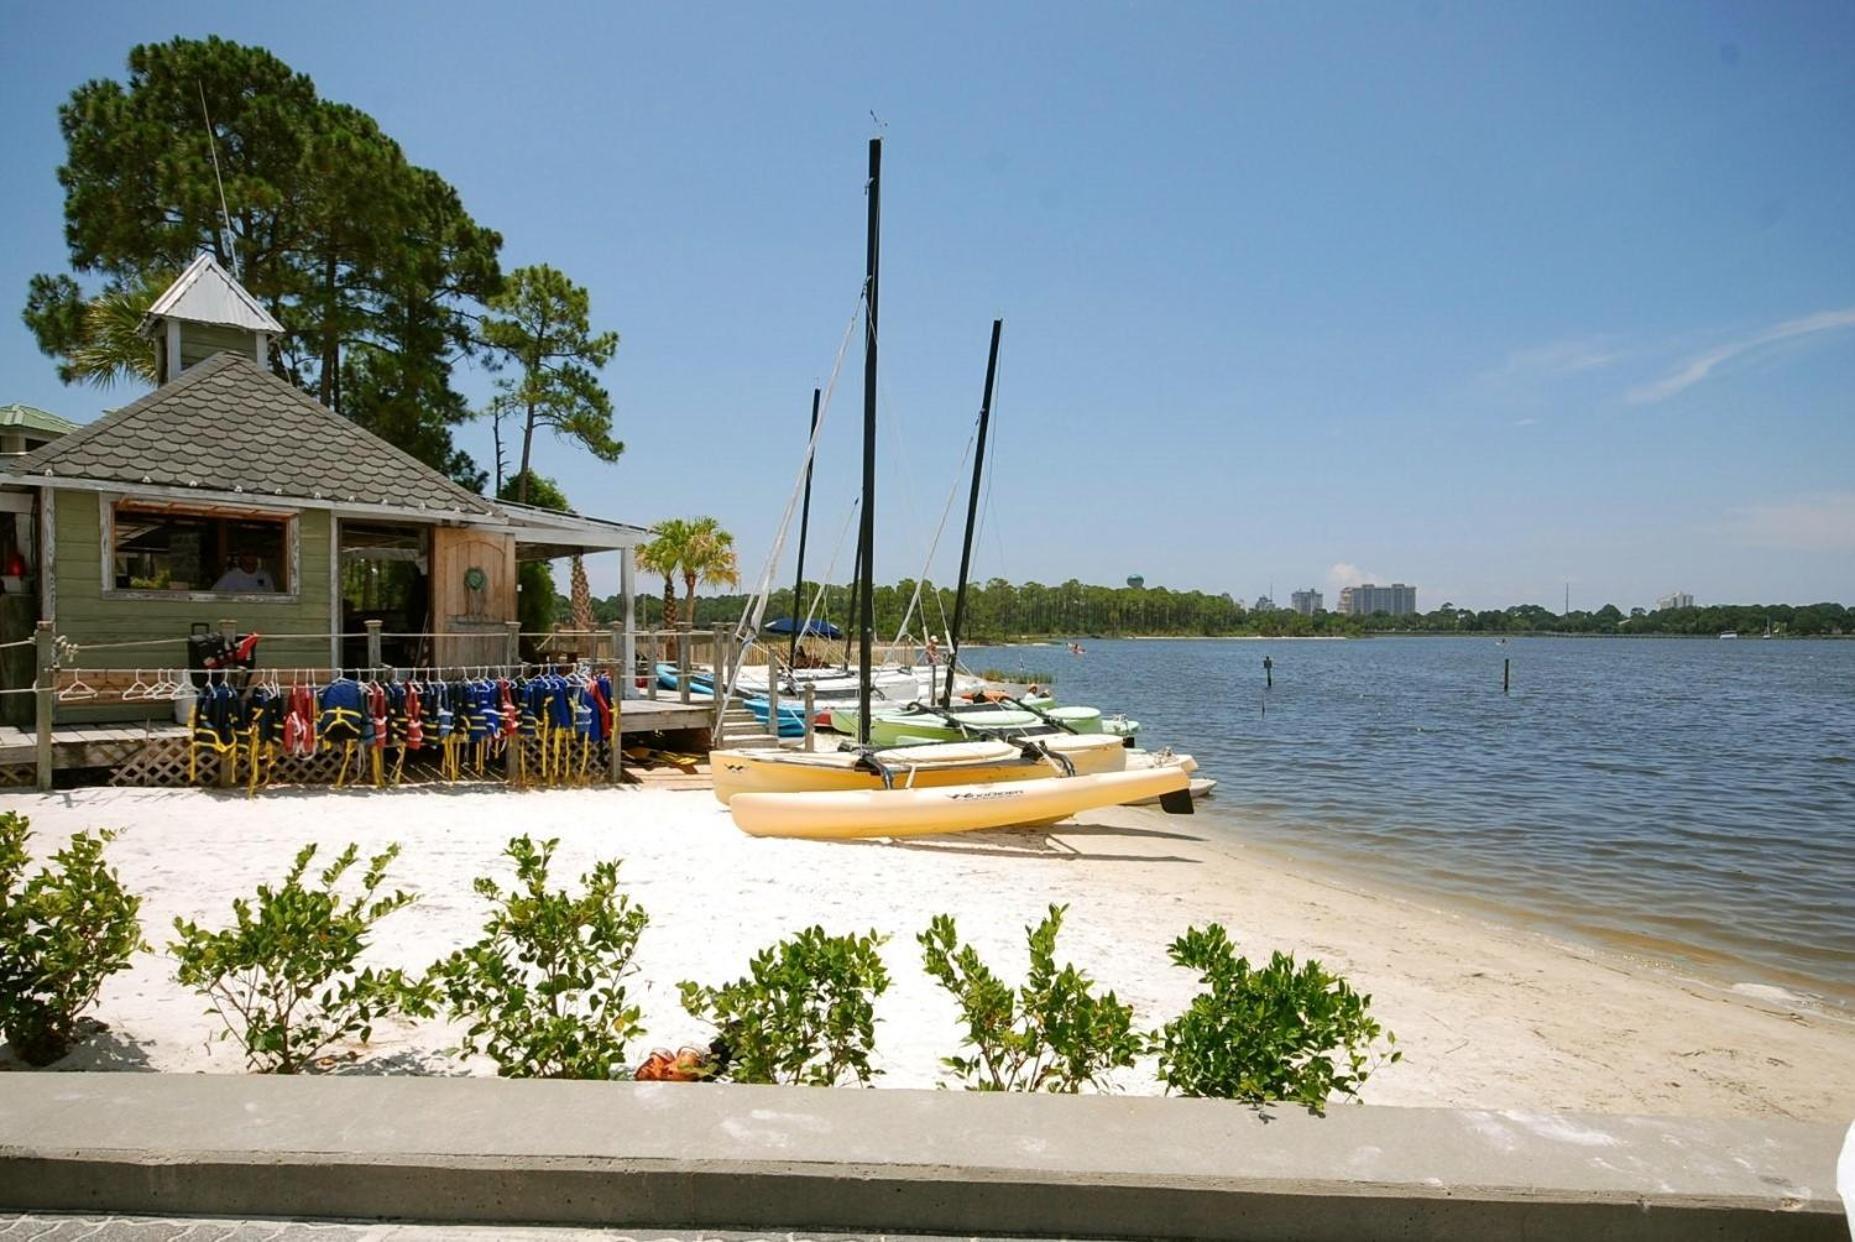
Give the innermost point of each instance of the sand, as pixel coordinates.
(1488, 1016)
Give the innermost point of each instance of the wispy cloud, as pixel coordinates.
(1562, 358)
(1525, 422)
(1821, 522)
(1553, 360)
(1699, 368)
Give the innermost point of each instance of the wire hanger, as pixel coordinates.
(78, 689)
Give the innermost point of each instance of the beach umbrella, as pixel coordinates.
(817, 628)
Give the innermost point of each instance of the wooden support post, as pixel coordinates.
(1268, 673)
(811, 711)
(720, 664)
(1507, 669)
(772, 691)
(228, 629)
(512, 659)
(625, 672)
(627, 652)
(47, 652)
(650, 678)
(373, 645)
(682, 662)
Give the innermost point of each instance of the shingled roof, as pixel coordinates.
(228, 425)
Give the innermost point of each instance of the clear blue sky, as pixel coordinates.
(1484, 298)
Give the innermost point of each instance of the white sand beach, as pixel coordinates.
(1488, 1015)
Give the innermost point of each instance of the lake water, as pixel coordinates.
(1690, 801)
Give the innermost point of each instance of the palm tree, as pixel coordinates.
(582, 597)
(112, 347)
(664, 555)
(709, 558)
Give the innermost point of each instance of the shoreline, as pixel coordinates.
(1488, 1015)
(1689, 963)
(1488, 635)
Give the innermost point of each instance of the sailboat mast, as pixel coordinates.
(805, 518)
(972, 516)
(866, 530)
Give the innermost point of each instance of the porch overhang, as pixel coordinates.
(545, 534)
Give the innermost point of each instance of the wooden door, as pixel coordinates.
(473, 594)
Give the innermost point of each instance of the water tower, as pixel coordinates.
(1135, 581)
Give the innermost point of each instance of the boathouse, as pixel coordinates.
(227, 494)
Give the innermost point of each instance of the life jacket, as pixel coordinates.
(415, 723)
(343, 712)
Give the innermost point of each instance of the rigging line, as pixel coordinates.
(843, 531)
(934, 546)
(900, 447)
(749, 624)
(986, 524)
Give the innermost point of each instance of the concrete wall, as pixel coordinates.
(686, 1156)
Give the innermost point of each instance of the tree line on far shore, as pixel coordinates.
(997, 609)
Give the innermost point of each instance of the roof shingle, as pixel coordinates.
(228, 425)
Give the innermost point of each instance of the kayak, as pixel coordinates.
(775, 770)
(887, 727)
(932, 810)
(928, 723)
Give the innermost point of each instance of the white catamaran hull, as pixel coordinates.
(844, 815)
(777, 770)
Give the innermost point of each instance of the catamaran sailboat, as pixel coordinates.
(938, 787)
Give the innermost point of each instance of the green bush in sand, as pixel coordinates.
(283, 980)
(805, 1012)
(543, 991)
(62, 933)
(1052, 1034)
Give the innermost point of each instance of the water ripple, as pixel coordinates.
(1695, 797)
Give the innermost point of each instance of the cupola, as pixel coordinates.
(205, 312)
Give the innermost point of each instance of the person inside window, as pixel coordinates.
(245, 575)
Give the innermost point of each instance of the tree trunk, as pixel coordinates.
(496, 432)
(528, 440)
(582, 595)
(331, 349)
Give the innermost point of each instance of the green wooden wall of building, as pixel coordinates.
(85, 613)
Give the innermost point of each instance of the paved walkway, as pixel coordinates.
(59, 1228)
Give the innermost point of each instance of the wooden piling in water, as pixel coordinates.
(1507, 668)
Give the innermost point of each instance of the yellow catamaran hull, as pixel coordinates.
(844, 815)
(772, 770)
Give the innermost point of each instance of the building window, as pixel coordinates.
(173, 548)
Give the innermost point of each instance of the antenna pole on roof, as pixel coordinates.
(805, 518)
(227, 240)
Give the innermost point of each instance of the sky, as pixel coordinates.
(1490, 299)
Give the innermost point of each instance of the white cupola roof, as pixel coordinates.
(204, 312)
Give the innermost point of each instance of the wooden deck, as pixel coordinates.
(106, 745)
(83, 745)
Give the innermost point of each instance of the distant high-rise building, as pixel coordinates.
(1263, 604)
(1307, 602)
(1674, 599)
(1398, 600)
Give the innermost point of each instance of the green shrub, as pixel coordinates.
(805, 1013)
(542, 989)
(1279, 1033)
(62, 933)
(282, 979)
(1052, 1034)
